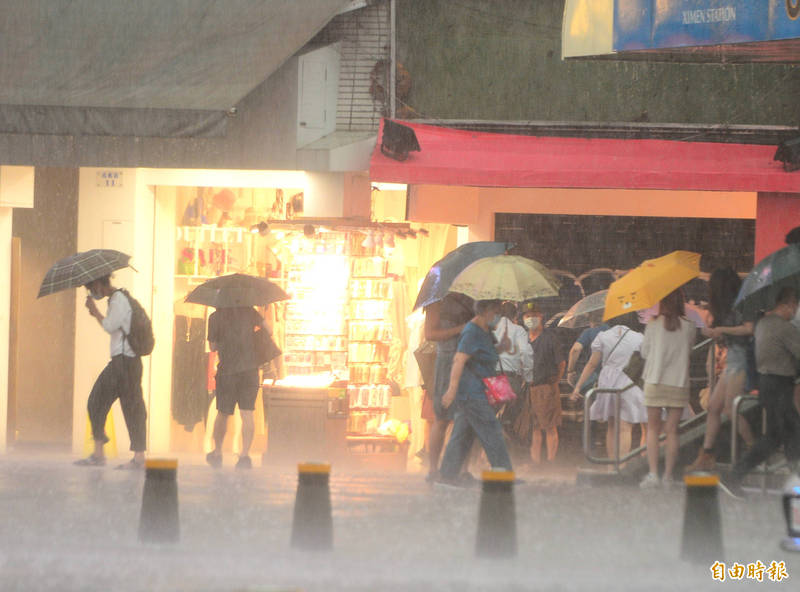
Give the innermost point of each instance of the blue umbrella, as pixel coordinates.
(441, 275)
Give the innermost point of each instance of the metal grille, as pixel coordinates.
(365, 36)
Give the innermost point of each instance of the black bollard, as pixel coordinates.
(497, 522)
(312, 525)
(702, 527)
(791, 510)
(158, 522)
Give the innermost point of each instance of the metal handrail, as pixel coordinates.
(616, 460)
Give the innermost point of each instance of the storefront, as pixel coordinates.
(339, 391)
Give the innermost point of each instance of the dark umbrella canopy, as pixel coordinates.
(81, 268)
(238, 289)
(442, 273)
(761, 286)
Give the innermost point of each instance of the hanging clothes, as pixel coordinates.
(189, 392)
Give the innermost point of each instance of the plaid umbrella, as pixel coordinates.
(236, 289)
(81, 268)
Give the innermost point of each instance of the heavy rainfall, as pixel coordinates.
(399, 295)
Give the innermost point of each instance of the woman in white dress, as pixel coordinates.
(613, 348)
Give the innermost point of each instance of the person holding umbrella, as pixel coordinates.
(234, 330)
(230, 333)
(475, 359)
(120, 379)
(777, 355)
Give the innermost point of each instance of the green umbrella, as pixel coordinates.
(762, 284)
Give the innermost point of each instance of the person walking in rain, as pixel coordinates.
(120, 379)
(230, 333)
(777, 355)
(476, 358)
(444, 321)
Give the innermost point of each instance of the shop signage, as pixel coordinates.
(661, 24)
(109, 178)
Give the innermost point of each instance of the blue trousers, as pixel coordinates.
(474, 418)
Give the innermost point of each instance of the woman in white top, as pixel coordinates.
(613, 348)
(667, 344)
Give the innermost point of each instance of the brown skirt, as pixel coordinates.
(541, 411)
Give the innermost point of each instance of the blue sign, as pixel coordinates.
(661, 24)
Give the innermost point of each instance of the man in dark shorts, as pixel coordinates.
(230, 333)
(543, 413)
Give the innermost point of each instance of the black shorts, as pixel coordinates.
(238, 388)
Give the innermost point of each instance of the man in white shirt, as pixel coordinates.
(120, 379)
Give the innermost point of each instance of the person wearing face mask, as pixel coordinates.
(120, 379)
(541, 412)
(476, 358)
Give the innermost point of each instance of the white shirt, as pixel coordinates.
(117, 320)
(515, 361)
(666, 353)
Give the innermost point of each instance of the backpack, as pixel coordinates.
(140, 338)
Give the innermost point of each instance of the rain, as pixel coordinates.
(320, 209)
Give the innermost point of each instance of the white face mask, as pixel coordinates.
(532, 323)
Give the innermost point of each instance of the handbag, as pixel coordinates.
(425, 355)
(498, 390)
(264, 347)
(635, 368)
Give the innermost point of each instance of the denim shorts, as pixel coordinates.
(735, 361)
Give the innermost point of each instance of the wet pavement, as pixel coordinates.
(75, 528)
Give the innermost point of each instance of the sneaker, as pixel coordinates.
(244, 462)
(650, 481)
(705, 461)
(732, 486)
(215, 460)
(131, 465)
(91, 461)
(671, 484)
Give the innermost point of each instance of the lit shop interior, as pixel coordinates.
(347, 385)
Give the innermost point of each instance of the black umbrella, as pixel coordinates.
(762, 285)
(81, 268)
(237, 289)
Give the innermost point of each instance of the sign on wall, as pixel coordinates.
(661, 24)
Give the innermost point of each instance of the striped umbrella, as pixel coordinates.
(81, 268)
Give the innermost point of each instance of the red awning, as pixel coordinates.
(458, 157)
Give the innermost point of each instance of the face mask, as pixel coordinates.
(532, 323)
(494, 321)
(96, 295)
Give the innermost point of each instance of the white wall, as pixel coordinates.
(16, 189)
(5, 308)
(107, 219)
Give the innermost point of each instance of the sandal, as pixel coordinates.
(91, 461)
(131, 465)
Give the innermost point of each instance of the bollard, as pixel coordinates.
(312, 525)
(702, 527)
(791, 510)
(497, 523)
(158, 522)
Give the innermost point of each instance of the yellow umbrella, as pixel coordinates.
(645, 285)
(505, 277)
